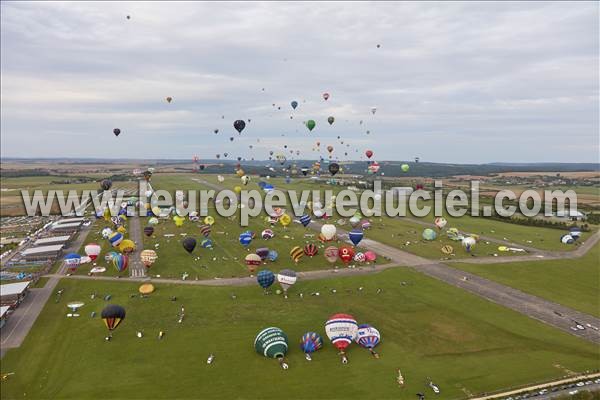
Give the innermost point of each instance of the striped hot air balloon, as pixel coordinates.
(272, 342)
(72, 261)
(148, 257)
(205, 230)
(115, 239)
(252, 261)
(112, 315)
(368, 337)
(311, 249)
(120, 262)
(305, 220)
(286, 278)
(206, 243)
(296, 253)
(309, 343)
(341, 329)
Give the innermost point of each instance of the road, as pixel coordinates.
(22, 319)
(550, 313)
(136, 268)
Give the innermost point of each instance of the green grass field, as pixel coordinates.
(465, 344)
(573, 282)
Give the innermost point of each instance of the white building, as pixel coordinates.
(13, 293)
(52, 240)
(42, 252)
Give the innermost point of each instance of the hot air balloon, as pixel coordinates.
(92, 250)
(368, 337)
(355, 236)
(106, 184)
(265, 279)
(120, 262)
(148, 257)
(127, 246)
(331, 254)
(468, 243)
(310, 124)
(72, 261)
(252, 261)
(369, 153)
(267, 234)
(206, 244)
(262, 252)
(346, 254)
(272, 343)
(272, 256)
(404, 167)
(329, 231)
(296, 253)
(148, 231)
(239, 125)
(440, 222)
(205, 230)
(330, 148)
(208, 220)
(370, 256)
(115, 239)
(189, 244)
(326, 96)
(311, 249)
(153, 221)
(429, 234)
(373, 110)
(285, 220)
(117, 131)
(341, 329)
(245, 239)
(309, 343)
(294, 104)
(305, 220)
(334, 168)
(112, 315)
(169, 99)
(331, 120)
(286, 279)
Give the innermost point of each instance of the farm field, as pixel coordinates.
(426, 326)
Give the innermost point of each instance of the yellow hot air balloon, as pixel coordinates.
(296, 253)
(208, 220)
(146, 288)
(121, 229)
(285, 220)
(178, 220)
(127, 246)
(237, 189)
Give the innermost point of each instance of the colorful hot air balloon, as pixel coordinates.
(239, 125)
(205, 230)
(112, 315)
(115, 239)
(206, 243)
(309, 343)
(265, 278)
(120, 262)
(440, 222)
(189, 244)
(305, 220)
(310, 124)
(92, 250)
(296, 253)
(368, 337)
(148, 257)
(286, 278)
(72, 261)
(346, 254)
(355, 236)
(341, 329)
(272, 343)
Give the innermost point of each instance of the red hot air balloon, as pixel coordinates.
(369, 153)
(346, 254)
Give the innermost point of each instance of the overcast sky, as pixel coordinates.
(452, 82)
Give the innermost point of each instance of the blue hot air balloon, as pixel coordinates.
(265, 278)
(310, 342)
(245, 239)
(305, 220)
(272, 256)
(206, 243)
(368, 337)
(355, 236)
